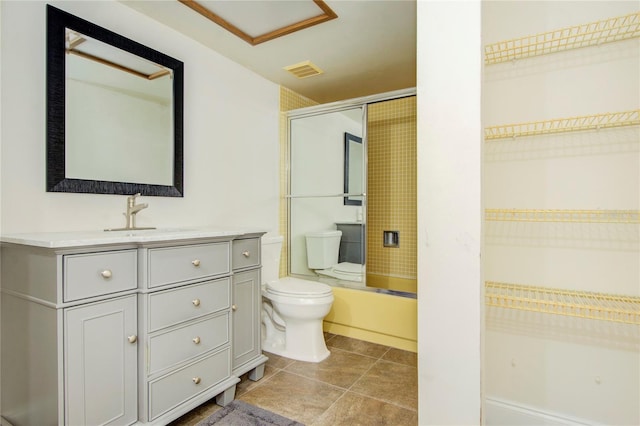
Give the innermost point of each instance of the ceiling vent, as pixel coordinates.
(304, 69)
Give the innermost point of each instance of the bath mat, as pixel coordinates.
(238, 413)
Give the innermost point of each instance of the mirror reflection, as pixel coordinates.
(118, 114)
(327, 233)
(114, 112)
(353, 164)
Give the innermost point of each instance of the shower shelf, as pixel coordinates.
(574, 37)
(578, 216)
(583, 304)
(563, 125)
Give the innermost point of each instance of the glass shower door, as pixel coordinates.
(327, 181)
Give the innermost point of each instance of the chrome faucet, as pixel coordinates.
(132, 210)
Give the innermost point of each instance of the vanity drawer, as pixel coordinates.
(246, 253)
(171, 307)
(181, 385)
(96, 274)
(169, 348)
(186, 263)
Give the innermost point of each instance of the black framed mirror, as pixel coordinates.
(114, 112)
(353, 169)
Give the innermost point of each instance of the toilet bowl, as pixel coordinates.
(292, 310)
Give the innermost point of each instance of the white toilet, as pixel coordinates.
(292, 310)
(322, 256)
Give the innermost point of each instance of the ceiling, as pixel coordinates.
(369, 48)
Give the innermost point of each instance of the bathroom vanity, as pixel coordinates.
(127, 327)
(352, 242)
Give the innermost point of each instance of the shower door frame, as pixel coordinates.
(362, 102)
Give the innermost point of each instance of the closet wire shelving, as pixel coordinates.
(582, 304)
(574, 216)
(584, 35)
(563, 125)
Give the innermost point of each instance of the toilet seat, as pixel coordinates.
(348, 268)
(294, 287)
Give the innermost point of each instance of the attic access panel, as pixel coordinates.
(287, 16)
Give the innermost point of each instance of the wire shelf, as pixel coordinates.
(582, 304)
(574, 37)
(562, 125)
(582, 216)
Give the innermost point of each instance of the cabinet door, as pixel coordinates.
(246, 308)
(100, 362)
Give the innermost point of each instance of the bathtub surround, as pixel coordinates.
(391, 193)
(384, 319)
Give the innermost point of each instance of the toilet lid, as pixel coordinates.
(296, 287)
(348, 268)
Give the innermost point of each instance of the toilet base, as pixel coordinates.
(281, 350)
(306, 342)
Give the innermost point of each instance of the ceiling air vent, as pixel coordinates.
(304, 69)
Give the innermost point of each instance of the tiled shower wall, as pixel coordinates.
(289, 100)
(391, 190)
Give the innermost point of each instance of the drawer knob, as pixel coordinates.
(196, 262)
(106, 273)
(196, 380)
(234, 308)
(196, 302)
(246, 253)
(132, 339)
(196, 340)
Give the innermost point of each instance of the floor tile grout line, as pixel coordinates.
(372, 397)
(329, 407)
(317, 380)
(395, 404)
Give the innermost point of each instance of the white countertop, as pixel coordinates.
(90, 238)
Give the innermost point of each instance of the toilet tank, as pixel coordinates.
(271, 249)
(322, 249)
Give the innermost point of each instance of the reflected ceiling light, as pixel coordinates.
(258, 21)
(97, 51)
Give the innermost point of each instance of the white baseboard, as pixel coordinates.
(499, 412)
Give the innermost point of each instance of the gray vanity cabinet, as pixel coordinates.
(100, 356)
(246, 309)
(121, 330)
(69, 336)
(185, 307)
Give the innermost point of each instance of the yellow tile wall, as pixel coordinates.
(289, 100)
(391, 187)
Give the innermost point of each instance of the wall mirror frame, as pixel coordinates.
(353, 163)
(58, 22)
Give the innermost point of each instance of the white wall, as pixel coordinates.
(230, 132)
(449, 213)
(543, 368)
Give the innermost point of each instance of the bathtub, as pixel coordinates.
(379, 316)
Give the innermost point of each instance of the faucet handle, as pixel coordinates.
(131, 200)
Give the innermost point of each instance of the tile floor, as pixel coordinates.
(360, 383)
